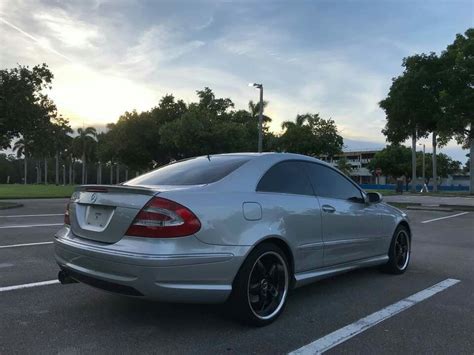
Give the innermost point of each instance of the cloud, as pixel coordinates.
(157, 46)
(206, 24)
(69, 31)
(41, 42)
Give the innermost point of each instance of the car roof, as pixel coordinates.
(275, 156)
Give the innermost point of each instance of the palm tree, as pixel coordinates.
(344, 166)
(254, 107)
(299, 122)
(60, 135)
(23, 147)
(84, 144)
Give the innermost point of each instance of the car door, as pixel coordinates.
(292, 211)
(351, 227)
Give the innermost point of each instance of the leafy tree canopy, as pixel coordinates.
(311, 135)
(394, 160)
(25, 108)
(458, 94)
(413, 105)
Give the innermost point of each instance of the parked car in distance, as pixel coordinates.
(242, 228)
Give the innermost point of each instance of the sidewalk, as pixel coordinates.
(452, 202)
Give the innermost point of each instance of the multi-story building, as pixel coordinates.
(359, 160)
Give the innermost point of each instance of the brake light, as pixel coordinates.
(162, 218)
(66, 216)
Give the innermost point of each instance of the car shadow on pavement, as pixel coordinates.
(320, 294)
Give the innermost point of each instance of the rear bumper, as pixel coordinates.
(194, 272)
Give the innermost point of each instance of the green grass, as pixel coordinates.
(13, 191)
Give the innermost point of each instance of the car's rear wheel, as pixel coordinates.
(261, 286)
(399, 252)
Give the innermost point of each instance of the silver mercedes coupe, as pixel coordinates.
(240, 228)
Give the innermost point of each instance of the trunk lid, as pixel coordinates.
(103, 213)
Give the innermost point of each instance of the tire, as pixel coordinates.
(400, 251)
(261, 286)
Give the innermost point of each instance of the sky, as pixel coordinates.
(336, 58)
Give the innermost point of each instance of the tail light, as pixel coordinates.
(162, 218)
(66, 216)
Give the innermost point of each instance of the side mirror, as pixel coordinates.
(374, 197)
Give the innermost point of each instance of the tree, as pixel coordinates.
(411, 105)
(466, 167)
(209, 126)
(344, 166)
(23, 147)
(60, 130)
(446, 166)
(428, 72)
(394, 160)
(10, 169)
(458, 96)
(84, 145)
(311, 135)
(24, 107)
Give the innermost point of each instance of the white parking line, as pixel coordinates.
(23, 245)
(32, 215)
(32, 225)
(440, 218)
(341, 335)
(34, 284)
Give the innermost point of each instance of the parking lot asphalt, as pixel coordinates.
(75, 318)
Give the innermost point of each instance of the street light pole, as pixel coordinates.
(423, 167)
(424, 185)
(260, 116)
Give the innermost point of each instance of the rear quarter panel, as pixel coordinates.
(292, 218)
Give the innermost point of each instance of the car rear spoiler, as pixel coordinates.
(117, 188)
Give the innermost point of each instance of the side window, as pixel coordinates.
(287, 177)
(329, 183)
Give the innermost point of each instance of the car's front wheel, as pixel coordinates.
(261, 286)
(399, 252)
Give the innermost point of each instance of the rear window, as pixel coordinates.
(194, 171)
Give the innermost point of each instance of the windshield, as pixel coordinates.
(194, 171)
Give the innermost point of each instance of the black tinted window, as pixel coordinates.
(329, 183)
(194, 171)
(286, 177)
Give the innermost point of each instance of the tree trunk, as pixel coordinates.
(83, 158)
(435, 164)
(70, 172)
(413, 163)
(38, 172)
(471, 163)
(111, 173)
(99, 174)
(64, 174)
(57, 168)
(118, 173)
(26, 170)
(46, 171)
(126, 174)
(73, 173)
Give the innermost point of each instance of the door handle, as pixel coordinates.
(328, 209)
